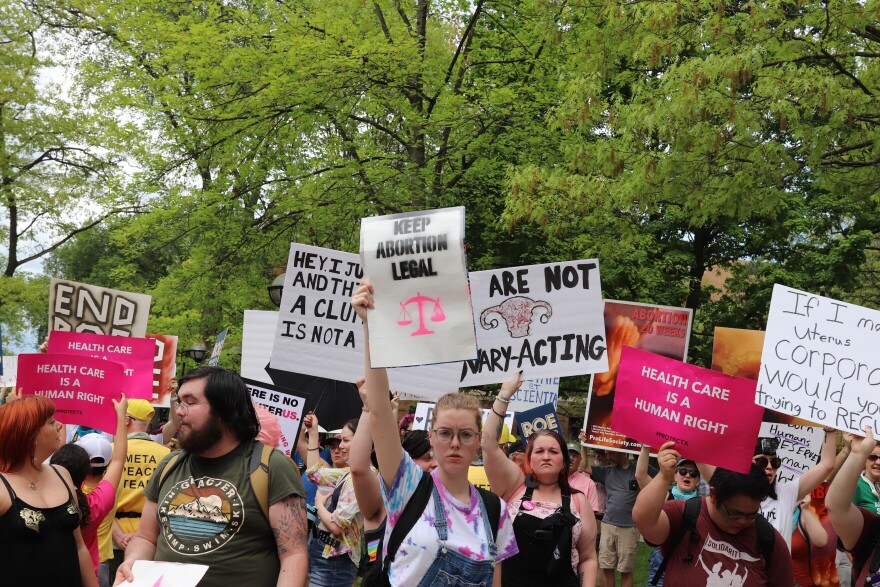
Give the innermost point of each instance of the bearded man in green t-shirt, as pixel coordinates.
(203, 510)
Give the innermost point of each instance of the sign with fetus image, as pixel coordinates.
(662, 330)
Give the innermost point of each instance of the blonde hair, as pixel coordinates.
(460, 401)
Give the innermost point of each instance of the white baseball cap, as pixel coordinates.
(98, 447)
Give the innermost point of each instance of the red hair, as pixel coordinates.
(20, 421)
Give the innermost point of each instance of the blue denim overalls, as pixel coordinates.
(453, 569)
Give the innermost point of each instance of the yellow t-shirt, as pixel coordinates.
(143, 456)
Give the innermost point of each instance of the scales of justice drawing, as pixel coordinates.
(437, 314)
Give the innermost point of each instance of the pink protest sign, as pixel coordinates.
(134, 354)
(81, 387)
(710, 416)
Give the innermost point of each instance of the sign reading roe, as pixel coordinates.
(422, 312)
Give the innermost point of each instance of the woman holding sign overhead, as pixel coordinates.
(554, 524)
(440, 528)
(40, 539)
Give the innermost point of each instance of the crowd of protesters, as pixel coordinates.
(377, 503)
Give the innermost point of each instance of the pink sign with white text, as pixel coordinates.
(136, 356)
(81, 387)
(710, 416)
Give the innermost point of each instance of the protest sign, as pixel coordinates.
(533, 393)
(662, 330)
(257, 338)
(79, 307)
(708, 415)
(134, 354)
(81, 387)
(799, 447)
(286, 404)
(218, 348)
(543, 319)
(537, 419)
(422, 312)
(164, 368)
(820, 361)
(157, 573)
(318, 332)
(424, 417)
(10, 368)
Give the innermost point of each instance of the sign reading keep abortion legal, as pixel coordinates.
(820, 361)
(422, 312)
(81, 387)
(710, 416)
(318, 332)
(545, 320)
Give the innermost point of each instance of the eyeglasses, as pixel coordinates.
(872, 458)
(465, 436)
(739, 516)
(685, 472)
(762, 462)
(184, 406)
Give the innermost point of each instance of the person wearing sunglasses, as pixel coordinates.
(729, 545)
(868, 487)
(779, 507)
(454, 540)
(685, 486)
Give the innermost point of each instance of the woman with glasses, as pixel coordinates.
(453, 541)
(554, 524)
(868, 486)
(729, 545)
(685, 486)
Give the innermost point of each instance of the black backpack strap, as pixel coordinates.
(688, 523)
(411, 513)
(766, 539)
(493, 509)
(868, 553)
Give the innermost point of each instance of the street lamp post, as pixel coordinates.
(196, 352)
(276, 289)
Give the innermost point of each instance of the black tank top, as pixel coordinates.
(37, 545)
(544, 548)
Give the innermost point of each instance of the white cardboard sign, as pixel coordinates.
(424, 417)
(286, 405)
(10, 371)
(799, 447)
(546, 320)
(820, 361)
(79, 307)
(416, 264)
(534, 393)
(318, 332)
(257, 337)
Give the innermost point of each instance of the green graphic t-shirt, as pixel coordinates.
(209, 515)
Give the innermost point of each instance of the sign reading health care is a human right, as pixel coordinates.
(820, 361)
(710, 416)
(416, 264)
(545, 320)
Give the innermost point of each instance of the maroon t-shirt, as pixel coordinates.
(722, 559)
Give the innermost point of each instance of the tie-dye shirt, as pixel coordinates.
(466, 533)
(347, 514)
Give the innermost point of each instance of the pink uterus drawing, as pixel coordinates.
(437, 315)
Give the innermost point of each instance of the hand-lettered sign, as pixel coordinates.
(710, 416)
(662, 330)
(820, 361)
(318, 332)
(416, 264)
(286, 404)
(136, 355)
(80, 386)
(533, 393)
(79, 307)
(218, 348)
(164, 368)
(543, 319)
